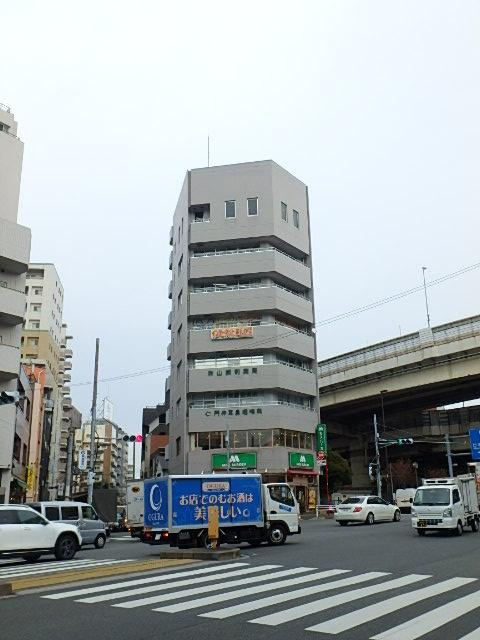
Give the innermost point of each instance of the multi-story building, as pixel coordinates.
(155, 443)
(111, 457)
(21, 439)
(14, 258)
(44, 343)
(242, 350)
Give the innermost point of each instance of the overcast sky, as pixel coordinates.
(375, 105)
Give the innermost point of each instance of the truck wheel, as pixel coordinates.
(276, 535)
(100, 541)
(474, 525)
(205, 541)
(421, 532)
(459, 529)
(66, 547)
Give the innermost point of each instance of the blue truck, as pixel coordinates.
(176, 510)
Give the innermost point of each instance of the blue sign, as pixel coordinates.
(475, 443)
(155, 507)
(238, 498)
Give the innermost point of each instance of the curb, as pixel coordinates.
(10, 587)
(201, 554)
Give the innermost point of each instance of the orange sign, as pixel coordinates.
(228, 333)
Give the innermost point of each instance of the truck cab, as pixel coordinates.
(281, 505)
(446, 504)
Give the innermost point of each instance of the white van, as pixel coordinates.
(81, 514)
(404, 499)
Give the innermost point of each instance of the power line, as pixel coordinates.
(321, 323)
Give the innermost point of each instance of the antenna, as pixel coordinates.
(426, 297)
(208, 151)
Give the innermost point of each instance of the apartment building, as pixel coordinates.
(243, 392)
(14, 257)
(45, 344)
(111, 459)
(155, 442)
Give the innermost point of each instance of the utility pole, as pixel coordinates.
(68, 472)
(377, 457)
(426, 298)
(91, 472)
(449, 456)
(228, 450)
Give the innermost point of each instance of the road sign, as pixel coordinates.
(321, 455)
(475, 443)
(82, 459)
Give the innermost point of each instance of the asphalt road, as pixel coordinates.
(417, 566)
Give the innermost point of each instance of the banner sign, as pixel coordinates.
(321, 437)
(300, 460)
(237, 461)
(228, 333)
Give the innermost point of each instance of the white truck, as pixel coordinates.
(404, 499)
(134, 508)
(446, 504)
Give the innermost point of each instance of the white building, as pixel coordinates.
(14, 257)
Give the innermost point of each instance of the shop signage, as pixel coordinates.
(321, 438)
(229, 333)
(300, 460)
(237, 461)
(233, 412)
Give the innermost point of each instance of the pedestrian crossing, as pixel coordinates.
(317, 601)
(11, 570)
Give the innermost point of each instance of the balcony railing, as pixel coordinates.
(248, 285)
(208, 326)
(262, 403)
(226, 252)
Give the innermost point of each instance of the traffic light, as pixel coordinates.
(405, 441)
(9, 397)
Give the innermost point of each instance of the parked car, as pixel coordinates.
(367, 509)
(83, 515)
(26, 534)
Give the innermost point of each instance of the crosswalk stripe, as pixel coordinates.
(172, 585)
(372, 612)
(215, 587)
(90, 565)
(240, 593)
(162, 577)
(433, 619)
(303, 610)
(474, 635)
(39, 565)
(246, 607)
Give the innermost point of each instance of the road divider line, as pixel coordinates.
(372, 612)
(228, 584)
(308, 608)
(132, 583)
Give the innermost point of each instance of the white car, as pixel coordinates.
(26, 534)
(367, 509)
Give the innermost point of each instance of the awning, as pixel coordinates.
(303, 472)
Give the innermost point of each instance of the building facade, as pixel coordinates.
(45, 344)
(155, 442)
(243, 387)
(14, 257)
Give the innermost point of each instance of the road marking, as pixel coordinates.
(240, 593)
(374, 611)
(27, 567)
(474, 635)
(419, 626)
(303, 610)
(246, 607)
(216, 587)
(89, 565)
(132, 583)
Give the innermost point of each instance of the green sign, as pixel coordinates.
(300, 460)
(237, 461)
(321, 437)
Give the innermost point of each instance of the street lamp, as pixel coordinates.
(415, 466)
(387, 466)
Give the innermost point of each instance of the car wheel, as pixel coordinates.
(32, 557)
(276, 535)
(421, 532)
(370, 518)
(66, 547)
(100, 541)
(342, 523)
(459, 529)
(474, 525)
(396, 516)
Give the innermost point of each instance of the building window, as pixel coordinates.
(180, 266)
(230, 209)
(38, 291)
(177, 407)
(252, 206)
(296, 219)
(283, 207)
(178, 445)
(34, 324)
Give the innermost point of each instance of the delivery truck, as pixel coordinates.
(176, 508)
(134, 508)
(446, 504)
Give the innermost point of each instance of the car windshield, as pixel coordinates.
(432, 497)
(356, 500)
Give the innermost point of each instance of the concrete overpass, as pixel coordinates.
(425, 369)
(411, 376)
